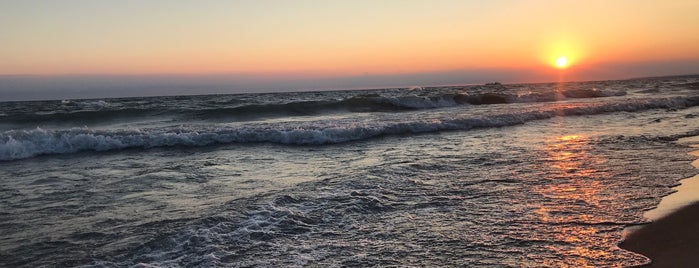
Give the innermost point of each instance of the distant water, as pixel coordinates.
(492, 175)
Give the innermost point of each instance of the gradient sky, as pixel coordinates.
(311, 40)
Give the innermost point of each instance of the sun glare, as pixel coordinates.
(562, 62)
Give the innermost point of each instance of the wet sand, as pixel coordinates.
(672, 241)
(687, 192)
(672, 238)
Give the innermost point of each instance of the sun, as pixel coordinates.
(562, 62)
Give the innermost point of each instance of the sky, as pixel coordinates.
(265, 45)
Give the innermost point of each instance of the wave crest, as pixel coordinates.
(19, 144)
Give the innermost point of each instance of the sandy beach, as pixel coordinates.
(672, 241)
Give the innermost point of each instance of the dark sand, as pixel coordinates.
(672, 241)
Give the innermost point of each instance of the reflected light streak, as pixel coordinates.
(575, 186)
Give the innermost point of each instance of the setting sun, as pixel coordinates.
(562, 62)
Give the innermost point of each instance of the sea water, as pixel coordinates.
(524, 175)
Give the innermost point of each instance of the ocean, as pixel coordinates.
(520, 175)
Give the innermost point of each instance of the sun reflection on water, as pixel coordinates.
(573, 167)
(574, 191)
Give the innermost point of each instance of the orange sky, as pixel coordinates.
(339, 38)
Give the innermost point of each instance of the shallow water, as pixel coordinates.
(402, 178)
(685, 193)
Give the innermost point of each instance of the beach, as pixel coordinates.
(672, 238)
(672, 241)
(411, 133)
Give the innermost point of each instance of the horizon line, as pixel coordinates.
(273, 91)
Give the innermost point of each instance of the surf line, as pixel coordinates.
(671, 238)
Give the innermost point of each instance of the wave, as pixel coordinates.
(100, 111)
(91, 104)
(19, 144)
(80, 117)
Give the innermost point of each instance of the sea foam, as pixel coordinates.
(19, 144)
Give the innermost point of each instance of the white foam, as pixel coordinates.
(19, 144)
(94, 104)
(418, 102)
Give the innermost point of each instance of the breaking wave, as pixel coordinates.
(19, 144)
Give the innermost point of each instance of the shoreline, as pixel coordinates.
(671, 239)
(668, 242)
(686, 193)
